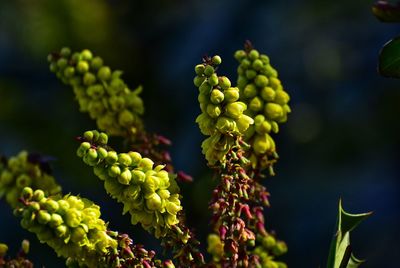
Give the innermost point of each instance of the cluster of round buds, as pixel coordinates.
(100, 91)
(268, 249)
(149, 193)
(222, 112)
(25, 170)
(20, 261)
(265, 97)
(69, 224)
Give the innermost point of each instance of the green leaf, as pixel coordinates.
(386, 12)
(340, 253)
(389, 59)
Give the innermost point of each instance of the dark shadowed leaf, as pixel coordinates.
(386, 12)
(389, 59)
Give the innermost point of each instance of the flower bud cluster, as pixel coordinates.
(100, 91)
(19, 261)
(268, 249)
(149, 193)
(222, 112)
(267, 101)
(24, 170)
(71, 225)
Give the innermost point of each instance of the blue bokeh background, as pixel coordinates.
(342, 139)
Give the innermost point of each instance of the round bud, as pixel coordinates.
(38, 195)
(65, 52)
(245, 64)
(153, 202)
(63, 206)
(259, 119)
(61, 230)
(112, 157)
(216, 60)
(199, 69)
(250, 74)
(43, 217)
(213, 79)
(103, 138)
(88, 135)
(261, 144)
(114, 171)
(73, 217)
(146, 164)
(104, 73)
(242, 81)
(253, 54)
(51, 205)
(76, 57)
(281, 97)
(55, 220)
(225, 124)
(216, 96)
(53, 67)
(124, 159)
(3, 250)
(235, 109)
(264, 58)
(224, 82)
(102, 152)
(62, 63)
(136, 157)
(239, 55)
(27, 193)
(86, 54)
(264, 127)
(250, 91)
(198, 80)
(96, 63)
(92, 154)
(69, 72)
(77, 234)
(138, 176)
(89, 79)
(25, 246)
(273, 110)
(231, 94)
(209, 70)
(125, 177)
(268, 94)
(213, 110)
(205, 88)
(257, 65)
(261, 80)
(256, 104)
(82, 67)
(268, 242)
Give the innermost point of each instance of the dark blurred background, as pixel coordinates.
(342, 139)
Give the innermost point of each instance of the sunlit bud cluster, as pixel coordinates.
(71, 225)
(148, 192)
(222, 114)
(267, 101)
(24, 170)
(100, 91)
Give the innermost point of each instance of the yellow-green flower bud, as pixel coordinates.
(96, 63)
(23, 181)
(216, 60)
(224, 82)
(213, 110)
(125, 177)
(261, 80)
(253, 54)
(135, 157)
(199, 69)
(257, 64)
(65, 52)
(235, 109)
(250, 74)
(261, 144)
(88, 135)
(225, 124)
(231, 94)
(51, 205)
(73, 217)
(281, 97)
(62, 63)
(77, 234)
(114, 171)
(38, 195)
(146, 164)
(268, 94)
(86, 54)
(256, 104)
(209, 70)
(55, 220)
(138, 176)
(43, 217)
(216, 96)
(102, 139)
(198, 80)
(61, 230)
(250, 91)
(213, 79)
(244, 122)
(104, 73)
(82, 67)
(124, 159)
(112, 157)
(102, 152)
(239, 54)
(3, 250)
(263, 127)
(153, 202)
(273, 110)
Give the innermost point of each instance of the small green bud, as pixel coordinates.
(257, 64)
(216, 60)
(112, 157)
(250, 91)
(199, 69)
(65, 52)
(235, 109)
(253, 54)
(25, 246)
(27, 193)
(104, 73)
(263, 127)
(138, 176)
(43, 217)
(198, 80)
(153, 202)
(125, 177)
(239, 55)
(224, 82)
(55, 220)
(225, 124)
(124, 159)
(102, 152)
(213, 110)
(205, 88)
(96, 63)
(3, 250)
(89, 79)
(261, 144)
(261, 80)
(63, 206)
(103, 138)
(209, 70)
(114, 171)
(61, 230)
(264, 58)
(136, 157)
(280, 248)
(242, 81)
(76, 57)
(250, 74)
(281, 97)
(146, 164)
(256, 104)
(53, 67)
(245, 64)
(38, 195)
(69, 72)
(86, 54)
(268, 94)
(273, 110)
(231, 94)
(216, 96)
(51, 205)
(88, 135)
(77, 234)
(92, 154)
(213, 79)
(73, 217)
(82, 67)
